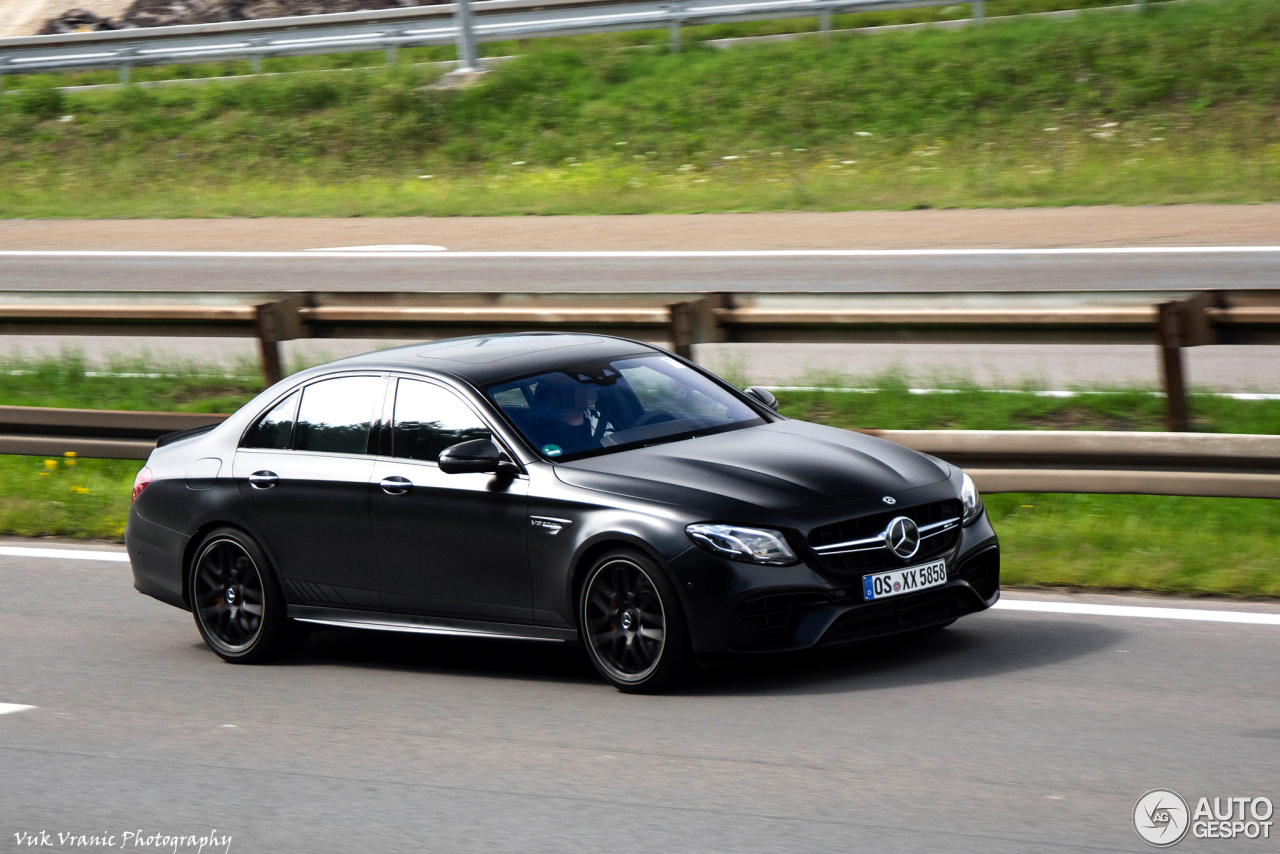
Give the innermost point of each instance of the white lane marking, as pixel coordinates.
(63, 554)
(1081, 609)
(1234, 395)
(10, 708)
(642, 253)
(400, 247)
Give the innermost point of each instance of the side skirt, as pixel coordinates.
(411, 624)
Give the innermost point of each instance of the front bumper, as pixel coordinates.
(737, 608)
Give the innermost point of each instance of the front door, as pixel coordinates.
(448, 544)
(304, 471)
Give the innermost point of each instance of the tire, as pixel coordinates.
(231, 579)
(633, 625)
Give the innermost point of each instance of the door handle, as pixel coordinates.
(263, 479)
(396, 485)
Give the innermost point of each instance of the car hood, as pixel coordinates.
(785, 466)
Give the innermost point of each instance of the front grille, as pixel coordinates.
(764, 620)
(872, 525)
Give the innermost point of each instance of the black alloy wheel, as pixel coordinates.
(237, 606)
(633, 625)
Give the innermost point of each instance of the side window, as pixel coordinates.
(274, 428)
(429, 419)
(335, 415)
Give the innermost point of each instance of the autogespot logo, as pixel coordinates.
(1161, 817)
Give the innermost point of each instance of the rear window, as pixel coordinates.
(335, 415)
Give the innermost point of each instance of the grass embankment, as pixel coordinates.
(1175, 106)
(1167, 544)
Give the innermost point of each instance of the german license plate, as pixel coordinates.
(898, 581)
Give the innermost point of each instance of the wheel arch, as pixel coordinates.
(591, 550)
(198, 537)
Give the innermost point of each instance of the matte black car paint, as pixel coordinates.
(512, 548)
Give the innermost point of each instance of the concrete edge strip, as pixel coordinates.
(64, 554)
(1090, 610)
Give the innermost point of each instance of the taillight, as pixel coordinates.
(140, 482)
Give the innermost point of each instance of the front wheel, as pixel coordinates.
(237, 605)
(632, 624)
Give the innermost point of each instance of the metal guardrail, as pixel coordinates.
(1171, 320)
(1231, 465)
(463, 23)
(1199, 464)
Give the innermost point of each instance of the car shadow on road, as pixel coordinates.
(442, 655)
(974, 649)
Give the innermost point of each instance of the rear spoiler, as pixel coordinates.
(179, 435)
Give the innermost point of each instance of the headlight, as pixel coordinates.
(970, 500)
(754, 545)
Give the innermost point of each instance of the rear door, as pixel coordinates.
(448, 544)
(304, 469)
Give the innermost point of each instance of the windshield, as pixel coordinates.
(598, 407)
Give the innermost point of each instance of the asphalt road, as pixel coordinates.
(1009, 732)
(524, 272)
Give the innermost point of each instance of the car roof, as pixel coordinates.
(485, 359)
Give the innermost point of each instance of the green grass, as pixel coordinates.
(895, 407)
(1190, 546)
(1175, 106)
(65, 497)
(70, 382)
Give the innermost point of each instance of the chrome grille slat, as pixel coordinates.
(858, 544)
(877, 541)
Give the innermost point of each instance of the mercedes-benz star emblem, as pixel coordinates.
(889, 499)
(902, 537)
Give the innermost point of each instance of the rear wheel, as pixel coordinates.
(237, 605)
(633, 625)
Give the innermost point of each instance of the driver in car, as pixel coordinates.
(560, 416)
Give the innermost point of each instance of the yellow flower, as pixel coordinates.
(83, 490)
(51, 464)
(69, 454)
(69, 462)
(44, 474)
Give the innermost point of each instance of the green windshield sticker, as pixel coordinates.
(552, 450)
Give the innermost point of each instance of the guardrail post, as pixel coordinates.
(279, 321)
(123, 75)
(824, 22)
(675, 11)
(977, 11)
(1184, 323)
(695, 322)
(467, 59)
(1169, 333)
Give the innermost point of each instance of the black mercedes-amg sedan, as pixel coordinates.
(564, 488)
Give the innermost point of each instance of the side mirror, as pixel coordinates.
(478, 456)
(763, 395)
